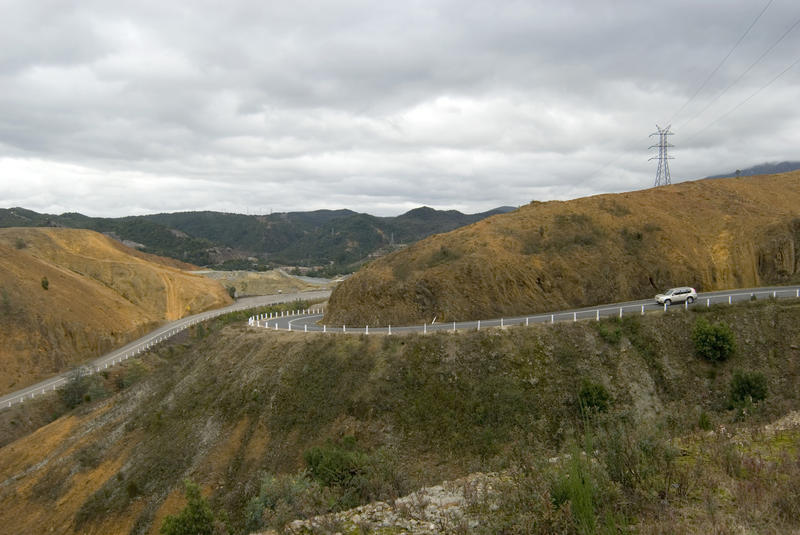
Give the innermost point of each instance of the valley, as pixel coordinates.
(656, 421)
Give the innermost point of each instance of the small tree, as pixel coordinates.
(73, 392)
(715, 343)
(748, 387)
(45, 283)
(195, 519)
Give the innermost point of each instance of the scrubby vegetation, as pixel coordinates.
(195, 519)
(278, 426)
(713, 342)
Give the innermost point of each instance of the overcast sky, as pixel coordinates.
(115, 108)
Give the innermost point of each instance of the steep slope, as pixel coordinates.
(711, 234)
(232, 408)
(99, 295)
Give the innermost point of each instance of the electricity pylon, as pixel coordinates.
(662, 173)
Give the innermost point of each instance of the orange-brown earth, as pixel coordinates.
(100, 295)
(710, 234)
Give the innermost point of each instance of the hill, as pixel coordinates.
(277, 426)
(762, 169)
(99, 295)
(337, 240)
(710, 234)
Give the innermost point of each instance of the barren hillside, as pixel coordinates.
(710, 234)
(99, 295)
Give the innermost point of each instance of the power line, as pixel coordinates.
(743, 102)
(721, 63)
(756, 62)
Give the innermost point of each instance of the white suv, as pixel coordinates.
(677, 295)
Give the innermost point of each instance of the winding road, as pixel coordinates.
(309, 321)
(149, 340)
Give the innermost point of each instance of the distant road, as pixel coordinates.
(309, 322)
(162, 333)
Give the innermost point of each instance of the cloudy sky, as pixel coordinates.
(120, 108)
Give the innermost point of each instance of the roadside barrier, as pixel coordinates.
(131, 350)
(308, 317)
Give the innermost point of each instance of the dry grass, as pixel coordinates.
(710, 234)
(100, 295)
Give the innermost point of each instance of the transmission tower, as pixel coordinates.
(662, 173)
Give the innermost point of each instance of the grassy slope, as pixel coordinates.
(226, 404)
(100, 295)
(711, 234)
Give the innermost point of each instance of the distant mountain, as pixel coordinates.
(335, 239)
(762, 169)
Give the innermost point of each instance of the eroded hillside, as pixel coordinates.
(710, 234)
(238, 410)
(69, 295)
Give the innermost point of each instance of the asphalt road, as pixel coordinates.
(159, 335)
(309, 322)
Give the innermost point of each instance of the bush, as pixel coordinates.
(714, 343)
(74, 391)
(282, 498)
(593, 396)
(195, 519)
(610, 332)
(335, 465)
(45, 283)
(748, 387)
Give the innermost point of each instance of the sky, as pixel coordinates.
(134, 107)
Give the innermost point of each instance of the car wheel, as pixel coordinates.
(690, 300)
(667, 302)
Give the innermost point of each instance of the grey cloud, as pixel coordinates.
(368, 106)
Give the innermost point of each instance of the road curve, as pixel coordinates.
(309, 320)
(147, 341)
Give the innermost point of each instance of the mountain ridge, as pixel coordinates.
(334, 240)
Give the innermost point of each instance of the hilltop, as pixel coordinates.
(69, 295)
(710, 234)
(278, 426)
(333, 241)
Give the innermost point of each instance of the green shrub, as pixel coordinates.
(609, 332)
(333, 464)
(195, 519)
(45, 283)
(748, 387)
(593, 396)
(713, 342)
(19, 243)
(282, 498)
(76, 388)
